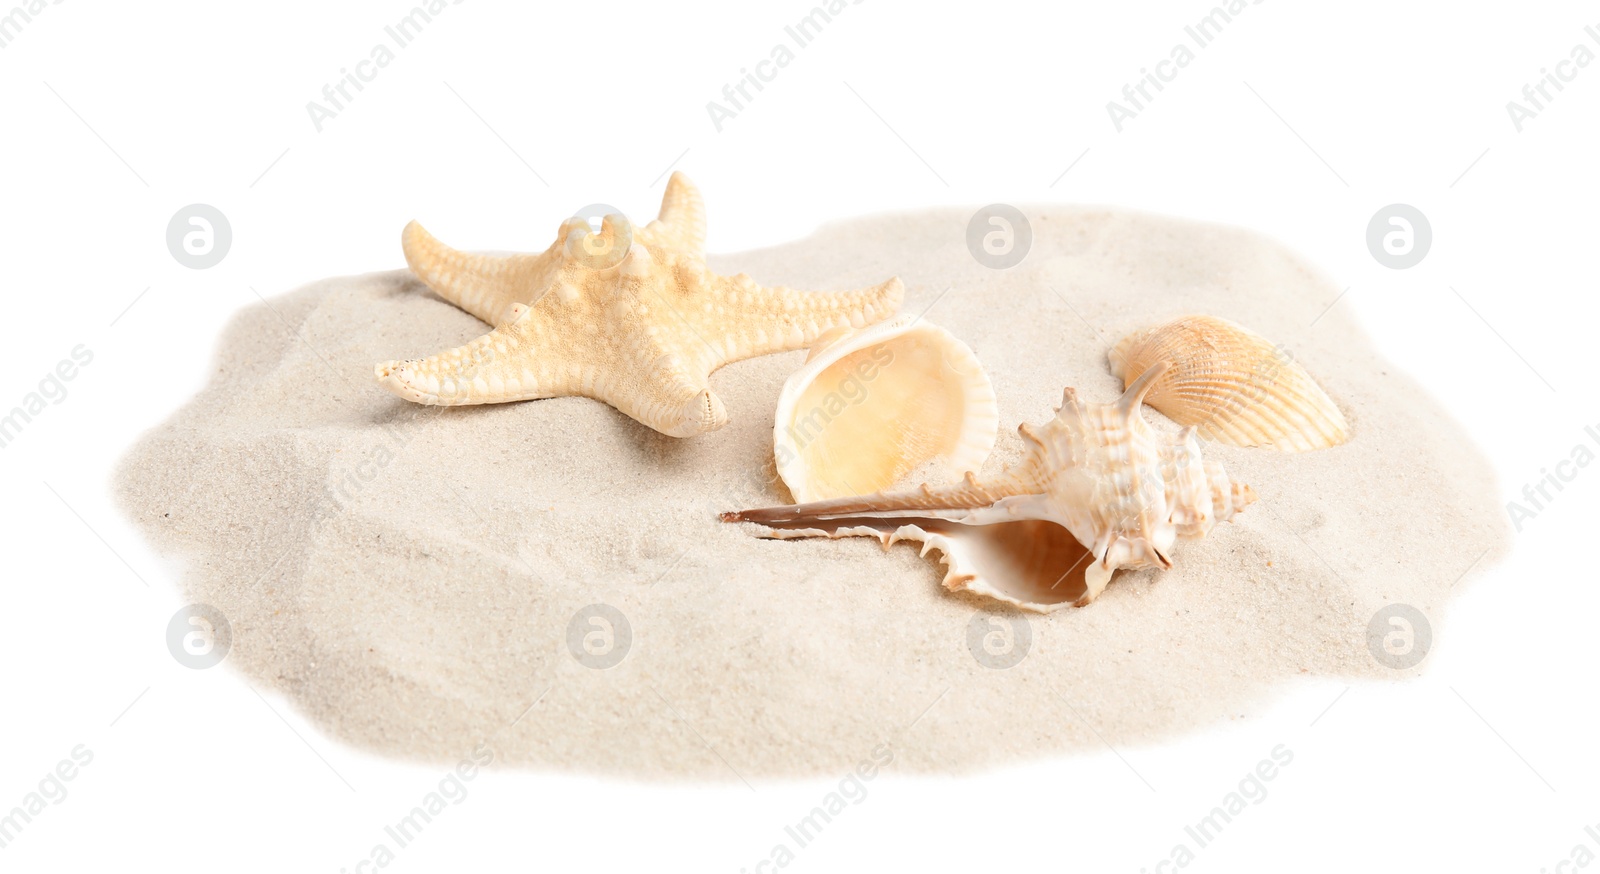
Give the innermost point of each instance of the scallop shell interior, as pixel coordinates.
(874, 405)
(1232, 384)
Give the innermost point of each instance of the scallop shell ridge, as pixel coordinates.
(1232, 384)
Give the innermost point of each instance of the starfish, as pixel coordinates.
(630, 317)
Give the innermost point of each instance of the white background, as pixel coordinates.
(118, 114)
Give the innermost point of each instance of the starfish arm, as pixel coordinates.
(744, 320)
(514, 362)
(681, 224)
(483, 285)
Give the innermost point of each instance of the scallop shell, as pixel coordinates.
(1097, 488)
(873, 405)
(1233, 384)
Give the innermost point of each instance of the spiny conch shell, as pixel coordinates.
(873, 405)
(1232, 384)
(1097, 488)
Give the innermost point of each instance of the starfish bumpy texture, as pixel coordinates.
(629, 317)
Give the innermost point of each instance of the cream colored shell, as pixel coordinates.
(1233, 384)
(1097, 490)
(871, 406)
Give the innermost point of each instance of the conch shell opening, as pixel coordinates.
(1034, 564)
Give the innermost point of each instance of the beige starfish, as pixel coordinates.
(641, 331)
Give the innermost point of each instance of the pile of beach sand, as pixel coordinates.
(415, 580)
